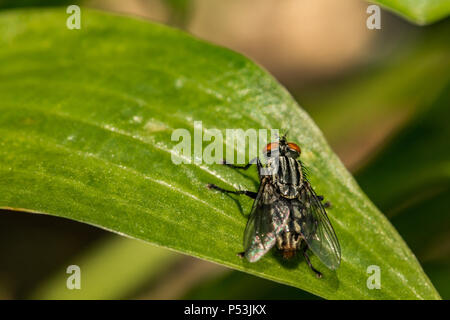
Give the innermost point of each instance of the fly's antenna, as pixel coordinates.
(283, 137)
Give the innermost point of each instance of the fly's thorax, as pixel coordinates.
(286, 174)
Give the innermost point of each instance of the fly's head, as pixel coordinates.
(282, 148)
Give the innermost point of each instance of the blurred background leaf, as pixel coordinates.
(415, 165)
(418, 11)
(359, 111)
(32, 247)
(179, 11)
(410, 181)
(8, 4)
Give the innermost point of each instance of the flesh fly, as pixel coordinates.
(286, 212)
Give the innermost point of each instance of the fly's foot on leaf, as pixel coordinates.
(326, 204)
(211, 186)
(317, 272)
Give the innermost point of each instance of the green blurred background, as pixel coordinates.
(381, 97)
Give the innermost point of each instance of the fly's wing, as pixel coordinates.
(317, 230)
(268, 218)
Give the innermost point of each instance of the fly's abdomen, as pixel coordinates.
(288, 176)
(288, 242)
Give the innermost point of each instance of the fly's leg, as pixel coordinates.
(253, 161)
(248, 165)
(318, 274)
(326, 204)
(250, 194)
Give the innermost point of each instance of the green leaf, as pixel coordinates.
(85, 133)
(418, 11)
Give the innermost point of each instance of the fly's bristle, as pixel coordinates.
(288, 254)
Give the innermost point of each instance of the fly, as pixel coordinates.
(286, 213)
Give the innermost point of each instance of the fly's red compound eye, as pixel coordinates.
(294, 147)
(270, 147)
